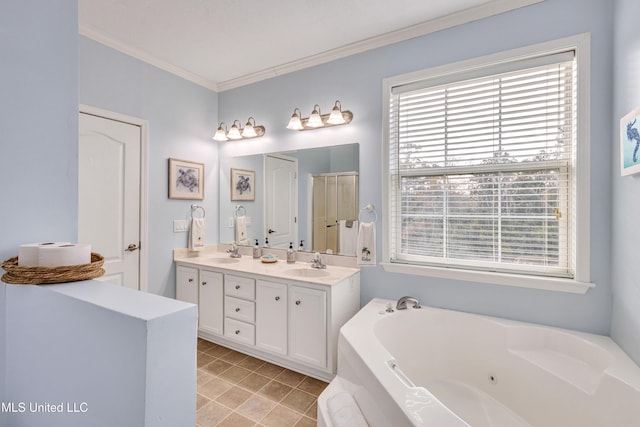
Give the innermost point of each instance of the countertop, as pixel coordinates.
(299, 271)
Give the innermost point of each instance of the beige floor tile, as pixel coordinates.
(235, 374)
(254, 382)
(204, 345)
(251, 363)
(312, 386)
(218, 350)
(217, 367)
(233, 357)
(236, 420)
(234, 397)
(201, 401)
(306, 422)
(211, 414)
(298, 400)
(312, 412)
(256, 407)
(204, 358)
(214, 388)
(275, 391)
(269, 370)
(203, 377)
(290, 378)
(281, 416)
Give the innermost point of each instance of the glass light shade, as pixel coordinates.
(295, 123)
(220, 134)
(234, 133)
(249, 131)
(315, 121)
(335, 118)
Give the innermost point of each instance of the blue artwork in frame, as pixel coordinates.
(630, 143)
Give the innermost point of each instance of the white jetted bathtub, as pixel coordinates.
(440, 368)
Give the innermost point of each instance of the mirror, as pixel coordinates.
(311, 206)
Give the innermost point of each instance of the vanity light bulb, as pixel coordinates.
(295, 123)
(249, 131)
(335, 118)
(315, 121)
(220, 135)
(234, 133)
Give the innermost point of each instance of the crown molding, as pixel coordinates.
(145, 57)
(473, 14)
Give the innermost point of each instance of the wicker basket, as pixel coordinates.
(21, 275)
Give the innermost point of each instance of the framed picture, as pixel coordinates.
(243, 184)
(630, 143)
(186, 180)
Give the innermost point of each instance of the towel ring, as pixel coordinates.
(195, 207)
(244, 211)
(369, 209)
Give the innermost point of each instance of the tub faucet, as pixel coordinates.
(402, 303)
(316, 262)
(234, 251)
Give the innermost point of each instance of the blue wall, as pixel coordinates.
(182, 117)
(39, 132)
(625, 253)
(357, 82)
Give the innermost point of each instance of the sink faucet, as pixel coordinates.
(316, 262)
(234, 251)
(402, 303)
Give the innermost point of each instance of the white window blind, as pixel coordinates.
(482, 168)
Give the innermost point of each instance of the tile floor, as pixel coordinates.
(239, 390)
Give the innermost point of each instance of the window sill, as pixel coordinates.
(521, 281)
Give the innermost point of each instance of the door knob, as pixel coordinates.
(132, 247)
(271, 231)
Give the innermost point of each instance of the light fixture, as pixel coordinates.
(251, 130)
(335, 117)
(221, 133)
(248, 131)
(317, 120)
(295, 123)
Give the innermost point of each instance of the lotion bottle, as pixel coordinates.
(291, 256)
(257, 253)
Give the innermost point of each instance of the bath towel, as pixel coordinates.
(366, 248)
(241, 231)
(348, 230)
(196, 234)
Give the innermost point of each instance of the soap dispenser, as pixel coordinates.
(257, 252)
(301, 247)
(291, 256)
(266, 242)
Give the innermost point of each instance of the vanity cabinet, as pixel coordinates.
(308, 325)
(278, 317)
(203, 288)
(271, 316)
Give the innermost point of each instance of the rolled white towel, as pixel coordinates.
(344, 411)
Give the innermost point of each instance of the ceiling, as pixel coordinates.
(223, 44)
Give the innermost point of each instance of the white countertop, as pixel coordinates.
(300, 271)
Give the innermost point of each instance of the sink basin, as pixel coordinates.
(228, 260)
(308, 272)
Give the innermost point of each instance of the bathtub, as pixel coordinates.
(441, 368)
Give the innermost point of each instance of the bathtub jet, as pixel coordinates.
(459, 369)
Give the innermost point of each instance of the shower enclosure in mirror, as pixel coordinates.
(311, 166)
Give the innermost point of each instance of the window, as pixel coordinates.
(483, 167)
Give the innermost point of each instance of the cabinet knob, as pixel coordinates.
(237, 286)
(237, 309)
(298, 302)
(237, 331)
(190, 280)
(277, 298)
(204, 283)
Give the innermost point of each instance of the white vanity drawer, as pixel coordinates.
(240, 309)
(240, 287)
(239, 331)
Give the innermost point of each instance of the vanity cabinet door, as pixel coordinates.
(308, 325)
(271, 316)
(211, 314)
(187, 284)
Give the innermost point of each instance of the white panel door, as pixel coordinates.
(109, 195)
(281, 201)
